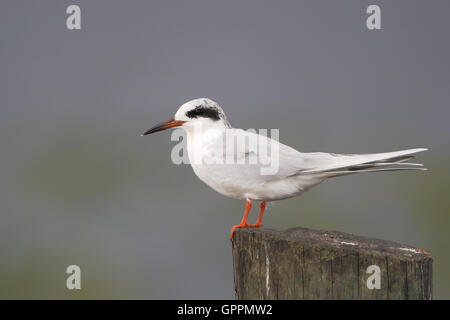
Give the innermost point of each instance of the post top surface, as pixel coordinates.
(338, 240)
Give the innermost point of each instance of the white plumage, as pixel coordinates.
(207, 130)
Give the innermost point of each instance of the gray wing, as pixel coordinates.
(266, 153)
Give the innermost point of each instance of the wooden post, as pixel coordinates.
(301, 263)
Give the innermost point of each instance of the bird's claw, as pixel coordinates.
(256, 225)
(243, 225)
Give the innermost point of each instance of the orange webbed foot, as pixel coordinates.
(243, 223)
(256, 225)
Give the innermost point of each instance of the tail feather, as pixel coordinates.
(389, 161)
(343, 173)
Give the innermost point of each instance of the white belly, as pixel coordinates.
(234, 182)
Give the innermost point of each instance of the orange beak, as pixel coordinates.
(171, 123)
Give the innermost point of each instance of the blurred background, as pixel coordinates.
(80, 186)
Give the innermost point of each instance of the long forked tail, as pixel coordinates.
(374, 162)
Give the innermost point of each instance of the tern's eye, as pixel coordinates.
(205, 112)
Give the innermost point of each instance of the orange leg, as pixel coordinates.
(258, 224)
(243, 223)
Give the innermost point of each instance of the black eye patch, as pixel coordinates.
(205, 112)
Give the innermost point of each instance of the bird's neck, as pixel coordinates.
(205, 135)
(200, 143)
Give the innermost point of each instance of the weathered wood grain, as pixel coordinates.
(301, 263)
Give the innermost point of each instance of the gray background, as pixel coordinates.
(80, 186)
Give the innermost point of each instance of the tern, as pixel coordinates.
(243, 177)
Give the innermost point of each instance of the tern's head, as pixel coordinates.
(202, 113)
